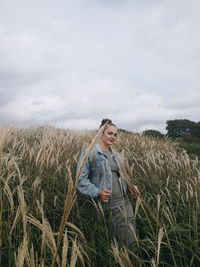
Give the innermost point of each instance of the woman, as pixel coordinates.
(102, 181)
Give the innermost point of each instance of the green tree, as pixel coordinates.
(181, 128)
(153, 133)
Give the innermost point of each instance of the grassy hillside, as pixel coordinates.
(191, 145)
(42, 221)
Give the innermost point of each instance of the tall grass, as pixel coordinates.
(37, 186)
(34, 183)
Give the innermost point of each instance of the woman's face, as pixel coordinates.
(109, 135)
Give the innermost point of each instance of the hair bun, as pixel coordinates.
(107, 122)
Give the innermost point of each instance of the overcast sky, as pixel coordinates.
(70, 63)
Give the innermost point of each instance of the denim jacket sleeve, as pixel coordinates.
(84, 185)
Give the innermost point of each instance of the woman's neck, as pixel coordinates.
(103, 146)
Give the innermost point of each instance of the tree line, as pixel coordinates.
(178, 128)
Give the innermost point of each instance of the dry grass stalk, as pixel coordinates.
(69, 201)
(17, 216)
(48, 233)
(137, 205)
(74, 255)
(30, 258)
(21, 179)
(36, 183)
(23, 208)
(9, 194)
(5, 134)
(121, 256)
(126, 257)
(153, 263)
(65, 250)
(160, 236)
(40, 206)
(22, 252)
(76, 230)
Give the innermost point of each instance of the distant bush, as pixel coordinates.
(190, 139)
(191, 146)
(153, 133)
(182, 128)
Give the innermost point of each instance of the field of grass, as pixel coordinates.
(44, 223)
(191, 145)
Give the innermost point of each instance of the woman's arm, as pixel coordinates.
(84, 185)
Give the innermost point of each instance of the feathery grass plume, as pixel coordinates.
(22, 252)
(30, 258)
(81, 243)
(153, 263)
(40, 206)
(23, 208)
(65, 250)
(17, 216)
(47, 231)
(76, 230)
(74, 255)
(21, 178)
(36, 183)
(69, 201)
(9, 194)
(78, 235)
(116, 253)
(4, 135)
(137, 205)
(121, 255)
(126, 256)
(158, 203)
(160, 236)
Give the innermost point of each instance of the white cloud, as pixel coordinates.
(73, 63)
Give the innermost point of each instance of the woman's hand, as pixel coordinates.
(104, 195)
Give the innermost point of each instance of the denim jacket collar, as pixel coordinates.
(99, 149)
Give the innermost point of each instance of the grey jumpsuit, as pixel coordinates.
(120, 206)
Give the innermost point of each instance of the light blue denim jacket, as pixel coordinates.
(96, 175)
